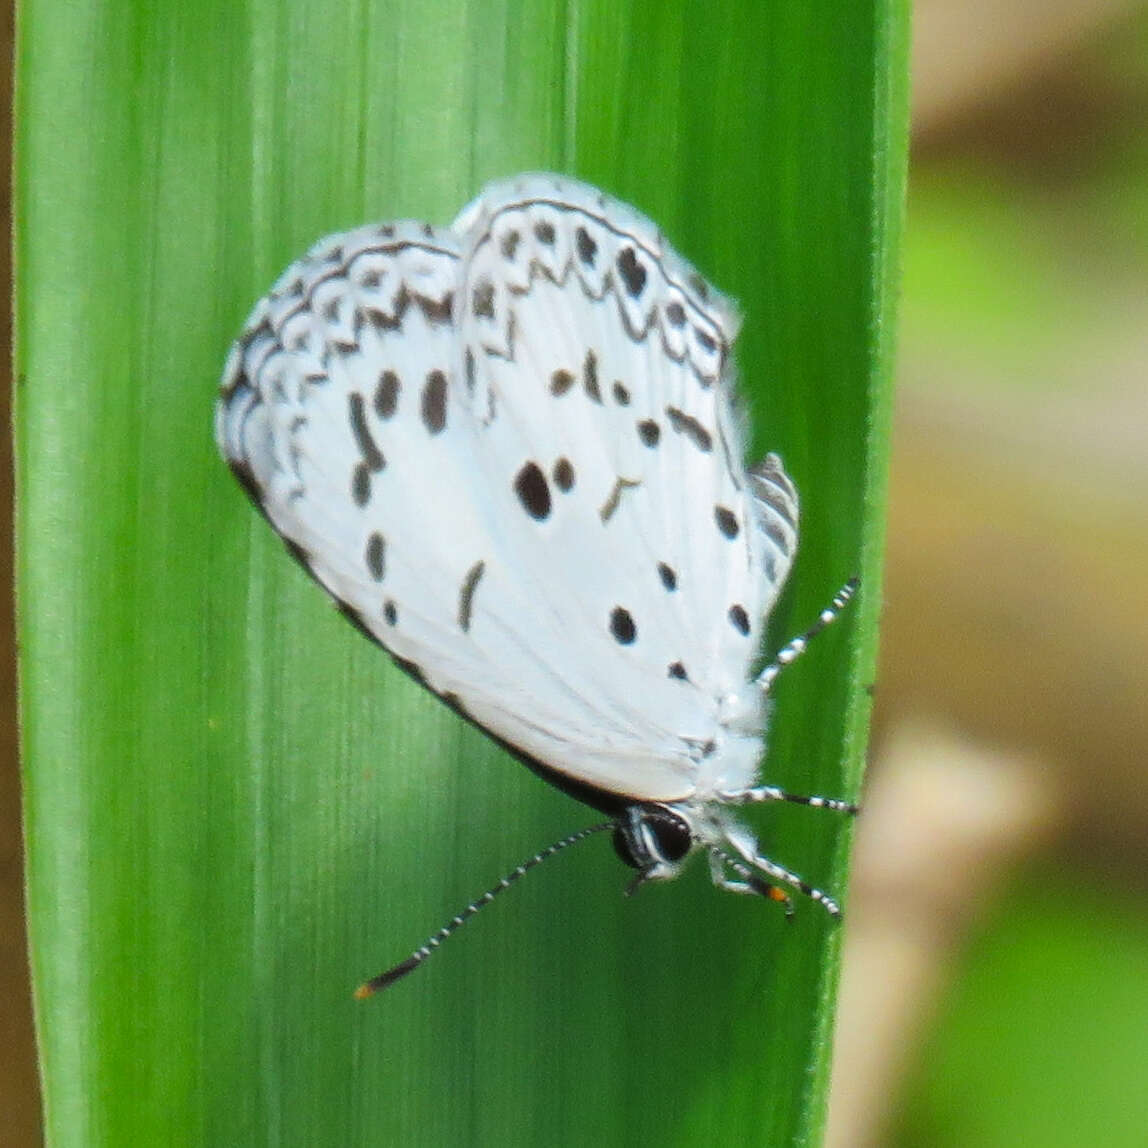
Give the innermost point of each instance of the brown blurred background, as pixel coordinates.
(996, 982)
(996, 976)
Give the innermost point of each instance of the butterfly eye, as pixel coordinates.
(650, 836)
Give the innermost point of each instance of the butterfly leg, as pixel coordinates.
(764, 793)
(743, 844)
(794, 648)
(750, 882)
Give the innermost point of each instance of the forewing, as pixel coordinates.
(600, 364)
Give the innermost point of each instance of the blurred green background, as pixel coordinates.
(996, 977)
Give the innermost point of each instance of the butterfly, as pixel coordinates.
(509, 450)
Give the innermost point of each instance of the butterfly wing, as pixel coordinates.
(397, 408)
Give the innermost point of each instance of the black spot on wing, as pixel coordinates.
(387, 395)
(482, 300)
(632, 273)
(776, 535)
(590, 377)
(705, 340)
(690, 427)
(621, 394)
(372, 456)
(434, 402)
(610, 506)
(436, 311)
(376, 556)
(564, 475)
(361, 484)
(675, 314)
(466, 595)
(739, 618)
(372, 461)
(533, 491)
(587, 248)
(781, 503)
(622, 626)
(560, 382)
(678, 671)
(649, 432)
(544, 232)
(726, 521)
(391, 612)
(668, 575)
(509, 245)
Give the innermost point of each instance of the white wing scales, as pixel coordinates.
(509, 450)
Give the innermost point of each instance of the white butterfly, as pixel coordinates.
(508, 449)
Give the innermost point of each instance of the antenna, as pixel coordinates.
(397, 972)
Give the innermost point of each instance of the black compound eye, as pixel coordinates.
(672, 835)
(621, 841)
(651, 835)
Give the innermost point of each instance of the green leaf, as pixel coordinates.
(236, 808)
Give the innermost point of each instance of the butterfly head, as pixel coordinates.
(654, 839)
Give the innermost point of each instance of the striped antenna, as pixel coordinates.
(397, 972)
(793, 649)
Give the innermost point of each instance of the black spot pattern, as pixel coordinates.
(587, 248)
(372, 461)
(621, 395)
(560, 382)
(544, 232)
(705, 340)
(468, 370)
(632, 272)
(533, 491)
(466, 595)
(775, 499)
(390, 612)
(361, 484)
(436, 311)
(377, 556)
(649, 432)
(622, 626)
(677, 670)
(726, 521)
(590, 377)
(675, 314)
(509, 244)
(482, 300)
(387, 395)
(668, 576)
(691, 428)
(434, 402)
(564, 475)
(776, 535)
(739, 618)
